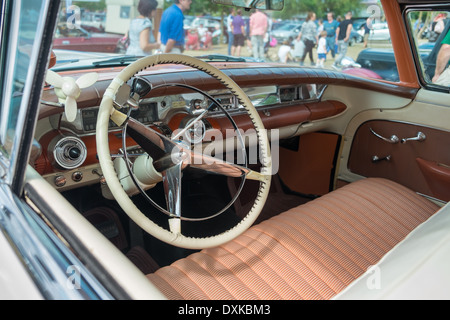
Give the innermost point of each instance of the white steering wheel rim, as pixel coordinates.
(107, 112)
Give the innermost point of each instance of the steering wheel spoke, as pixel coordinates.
(218, 166)
(172, 190)
(151, 141)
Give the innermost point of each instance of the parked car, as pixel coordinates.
(378, 32)
(213, 25)
(210, 23)
(355, 37)
(187, 21)
(382, 61)
(175, 177)
(287, 31)
(81, 40)
(358, 23)
(94, 21)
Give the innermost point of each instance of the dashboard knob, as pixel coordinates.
(60, 181)
(67, 152)
(74, 153)
(77, 176)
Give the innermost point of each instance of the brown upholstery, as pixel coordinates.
(310, 252)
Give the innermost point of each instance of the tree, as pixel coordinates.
(91, 6)
(320, 7)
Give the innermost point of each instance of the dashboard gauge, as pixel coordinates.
(288, 94)
(197, 106)
(196, 132)
(226, 101)
(146, 113)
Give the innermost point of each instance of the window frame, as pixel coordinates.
(16, 159)
(414, 47)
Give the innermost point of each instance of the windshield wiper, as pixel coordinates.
(116, 61)
(220, 57)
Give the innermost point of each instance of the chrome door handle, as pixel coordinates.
(392, 139)
(419, 137)
(378, 159)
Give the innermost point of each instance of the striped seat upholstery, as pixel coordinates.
(309, 252)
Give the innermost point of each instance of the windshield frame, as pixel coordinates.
(18, 151)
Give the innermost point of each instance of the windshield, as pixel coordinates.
(287, 27)
(349, 36)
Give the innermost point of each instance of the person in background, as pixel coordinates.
(202, 34)
(285, 52)
(330, 26)
(142, 39)
(322, 49)
(367, 27)
(171, 29)
(248, 41)
(207, 44)
(193, 42)
(442, 72)
(308, 34)
(258, 29)
(342, 38)
(238, 25)
(319, 27)
(230, 29)
(438, 24)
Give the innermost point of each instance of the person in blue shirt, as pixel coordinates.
(171, 29)
(330, 26)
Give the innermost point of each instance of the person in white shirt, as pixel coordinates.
(285, 52)
(202, 35)
(322, 49)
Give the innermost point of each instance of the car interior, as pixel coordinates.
(285, 182)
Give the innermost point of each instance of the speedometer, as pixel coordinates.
(146, 113)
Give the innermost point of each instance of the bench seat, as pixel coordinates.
(313, 251)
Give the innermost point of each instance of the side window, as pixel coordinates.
(369, 53)
(430, 33)
(16, 56)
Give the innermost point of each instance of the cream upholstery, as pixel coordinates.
(313, 251)
(416, 268)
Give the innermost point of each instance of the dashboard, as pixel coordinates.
(69, 160)
(160, 109)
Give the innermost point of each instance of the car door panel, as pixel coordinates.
(421, 165)
(437, 176)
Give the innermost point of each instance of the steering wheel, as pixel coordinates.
(172, 157)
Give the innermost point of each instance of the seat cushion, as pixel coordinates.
(312, 251)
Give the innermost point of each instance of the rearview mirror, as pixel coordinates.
(276, 5)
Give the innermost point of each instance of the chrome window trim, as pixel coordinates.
(20, 145)
(43, 253)
(9, 71)
(19, 134)
(423, 81)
